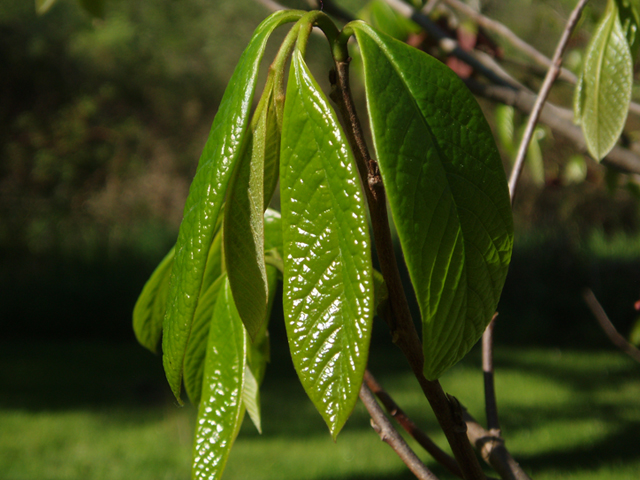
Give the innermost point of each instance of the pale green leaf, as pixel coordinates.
(150, 307)
(328, 287)
(221, 408)
(226, 144)
(535, 163)
(446, 188)
(608, 79)
(505, 124)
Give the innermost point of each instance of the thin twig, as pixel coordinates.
(411, 428)
(552, 74)
(390, 435)
(558, 119)
(491, 406)
(608, 327)
(490, 69)
(400, 322)
(505, 32)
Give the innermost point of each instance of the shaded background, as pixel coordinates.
(101, 126)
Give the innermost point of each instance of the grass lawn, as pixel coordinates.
(78, 411)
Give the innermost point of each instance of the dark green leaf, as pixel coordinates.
(221, 409)
(328, 287)
(150, 308)
(446, 189)
(604, 91)
(226, 144)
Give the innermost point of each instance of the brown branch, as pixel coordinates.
(491, 406)
(390, 435)
(551, 76)
(558, 119)
(608, 327)
(493, 451)
(403, 331)
(411, 428)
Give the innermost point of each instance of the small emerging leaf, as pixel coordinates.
(148, 313)
(221, 409)
(446, 188)
(603, 94)
(328, 287)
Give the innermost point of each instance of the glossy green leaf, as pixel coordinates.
(43, 6)
(221, 408)
(328, 287)
(226, 144)
(604, 91)
(446, 189)
(150, 307)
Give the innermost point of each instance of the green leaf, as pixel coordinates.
(272, 230)
(634, 336)
(504, 115)
(226, 144)
(94, 7)
(535, 163)
(150, 307)
(328, 287)
(43, 6)
(221, 409)
(446, 188)
(380, 14)
(604, 93)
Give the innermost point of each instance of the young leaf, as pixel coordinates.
(221, 409)
(630, 21)
(446, 188)
(226, 144)
(604, 92)
(150, 307)
(328, 287)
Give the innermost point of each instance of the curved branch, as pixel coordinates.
(390, 435)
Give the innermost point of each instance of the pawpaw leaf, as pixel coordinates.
(446, 189)
(148, 313)
(221, 408)
(328, 287)
(604, 91)
(226, 144)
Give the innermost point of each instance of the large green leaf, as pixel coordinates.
(328, 287)
(603, 93)
(150, 308)
(226, 144)
(446, 188)
(221, 409)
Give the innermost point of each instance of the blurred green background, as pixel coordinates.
(101, 126)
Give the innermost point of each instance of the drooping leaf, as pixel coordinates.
(535, 163)
(446, 188)
(604, 91)
(380, 14)
(151, 305)
(43, 6)
(505, 125)
(328, 287)
(221, 408)
(226, 144)
(244, 229)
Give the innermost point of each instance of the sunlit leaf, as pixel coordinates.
(221, 408)
(446, 188)
(604, 92)
(328, 287)
(150, 308)
(226, 144)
